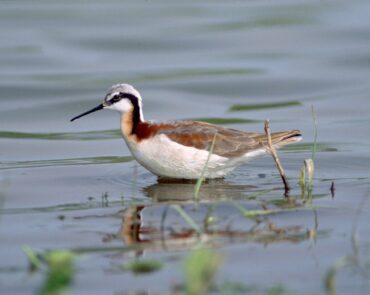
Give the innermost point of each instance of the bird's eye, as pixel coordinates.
(115, 99)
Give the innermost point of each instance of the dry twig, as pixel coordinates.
(275, 157)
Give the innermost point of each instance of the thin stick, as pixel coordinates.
(275, 157)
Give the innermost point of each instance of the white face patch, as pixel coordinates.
(122, 106)
(110, 96)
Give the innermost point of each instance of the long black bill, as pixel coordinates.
(98, 108)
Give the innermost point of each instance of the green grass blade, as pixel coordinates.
(201, 178)
(188, 219)
(330, 277)
(33, 259)
(252, 213)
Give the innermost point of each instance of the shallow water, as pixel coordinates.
(75, 185)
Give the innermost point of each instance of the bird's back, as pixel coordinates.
(229, 142)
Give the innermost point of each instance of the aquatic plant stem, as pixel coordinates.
(188, 219)
(201, 178)
(315, 133)
(275, 157)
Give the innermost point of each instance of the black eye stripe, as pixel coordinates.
(127, 95)
(115, 99)
(120, 96)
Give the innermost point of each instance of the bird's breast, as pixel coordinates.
(166, 158)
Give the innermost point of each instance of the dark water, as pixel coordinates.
(74, 185)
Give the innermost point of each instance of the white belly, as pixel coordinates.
(169, 159)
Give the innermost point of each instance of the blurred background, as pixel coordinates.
(235, 63)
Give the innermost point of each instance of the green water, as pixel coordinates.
(75, 185)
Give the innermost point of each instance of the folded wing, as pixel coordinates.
(229, 142)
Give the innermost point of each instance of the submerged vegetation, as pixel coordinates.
(201, 266)
(58, 269)
(143, 266)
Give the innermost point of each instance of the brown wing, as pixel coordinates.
(229, 142)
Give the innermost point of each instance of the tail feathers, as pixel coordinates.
(285, 137)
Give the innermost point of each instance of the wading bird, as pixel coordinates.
(180, 149)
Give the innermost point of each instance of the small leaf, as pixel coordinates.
(143, 266)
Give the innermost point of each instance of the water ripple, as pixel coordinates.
(64, 162)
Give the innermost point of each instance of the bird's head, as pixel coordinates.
(120, 97)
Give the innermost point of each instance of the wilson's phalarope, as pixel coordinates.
(180, 149)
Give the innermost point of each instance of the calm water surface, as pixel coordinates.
(74, 185)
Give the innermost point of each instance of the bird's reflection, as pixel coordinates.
(176, 235)
(157, 226)
(214, 190)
